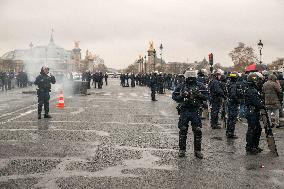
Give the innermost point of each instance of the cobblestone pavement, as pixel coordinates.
(117, 138)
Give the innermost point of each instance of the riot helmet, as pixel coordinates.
(233, 76)
(218, 73)
(190, 76)
(253, 79)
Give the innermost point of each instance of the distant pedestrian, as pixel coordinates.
(106, 77)
(272, 90)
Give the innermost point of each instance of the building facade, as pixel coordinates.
(31, 60)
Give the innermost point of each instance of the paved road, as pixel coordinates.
(117, 138)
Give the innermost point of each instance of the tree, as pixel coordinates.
(132, 68)
(242, 56)
(100, 67)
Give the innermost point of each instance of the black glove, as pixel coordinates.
(184, 94)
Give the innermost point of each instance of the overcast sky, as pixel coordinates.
(120, 30)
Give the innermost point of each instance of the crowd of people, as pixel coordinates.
(232, 95)
(9, 80)
(227, 97)
(97, 77)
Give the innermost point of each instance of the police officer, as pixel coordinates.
(44, 81)
(216, 96)
(153, 85)
(201, 77)
(132, 80)
(106, 77)
(254, 104)
(234, 96)
(190, 98)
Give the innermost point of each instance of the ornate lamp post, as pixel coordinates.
(154, 60)
(161, 48)
(145, 64)
(260, 46)
(141, 63)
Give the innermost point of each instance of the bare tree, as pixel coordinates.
(132, 68)
(242, 56)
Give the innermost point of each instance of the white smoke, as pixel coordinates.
(36, 58)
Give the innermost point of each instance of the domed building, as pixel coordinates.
(56, 58)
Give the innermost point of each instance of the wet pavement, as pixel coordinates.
(117, 138)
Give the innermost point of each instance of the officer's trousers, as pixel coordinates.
(43, 99)
(192, 116)
(216, 106)
(254, 130)
(232, 117)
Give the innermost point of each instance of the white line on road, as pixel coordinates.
(107, 94)
(133, 94)
(78, 111)
(21, 109)
(163, 113)
(100, 133)
(21, 115)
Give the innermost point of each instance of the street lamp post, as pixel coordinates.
(145, 64)
(154, 59)
(141, 61)
(161, 48)
(260, 46)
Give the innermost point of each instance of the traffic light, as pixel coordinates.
(211, 59)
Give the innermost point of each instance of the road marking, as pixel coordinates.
(133, 94)
(164, 113)
(146, 95)
(107, 94)
(19, 116)
(78, 111)
(100, 133)
(145, 149)
(21, 109)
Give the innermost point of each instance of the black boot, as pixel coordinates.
(197, 145)
(259, 150)
(215, 126)
(182, 145)
(181, 153)
(39, 111)
(47, 116)
(251, 151)
(198, 154)
(232, 136)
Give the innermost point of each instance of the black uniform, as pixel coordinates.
(253, 103)
(132, 80)
(188, 107)
(106, 77)
(44, 82)
(234, 94)
(216, 96)
(153, 86)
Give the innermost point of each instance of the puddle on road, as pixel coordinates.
(148, 161)
(252, 167)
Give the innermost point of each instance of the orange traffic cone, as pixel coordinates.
(60, 100)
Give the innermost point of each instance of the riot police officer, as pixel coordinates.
(216, 96)
(44, 81)
(132, 80)
(190, 98)
(234, 96)
(153, 85)
(254, 104)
